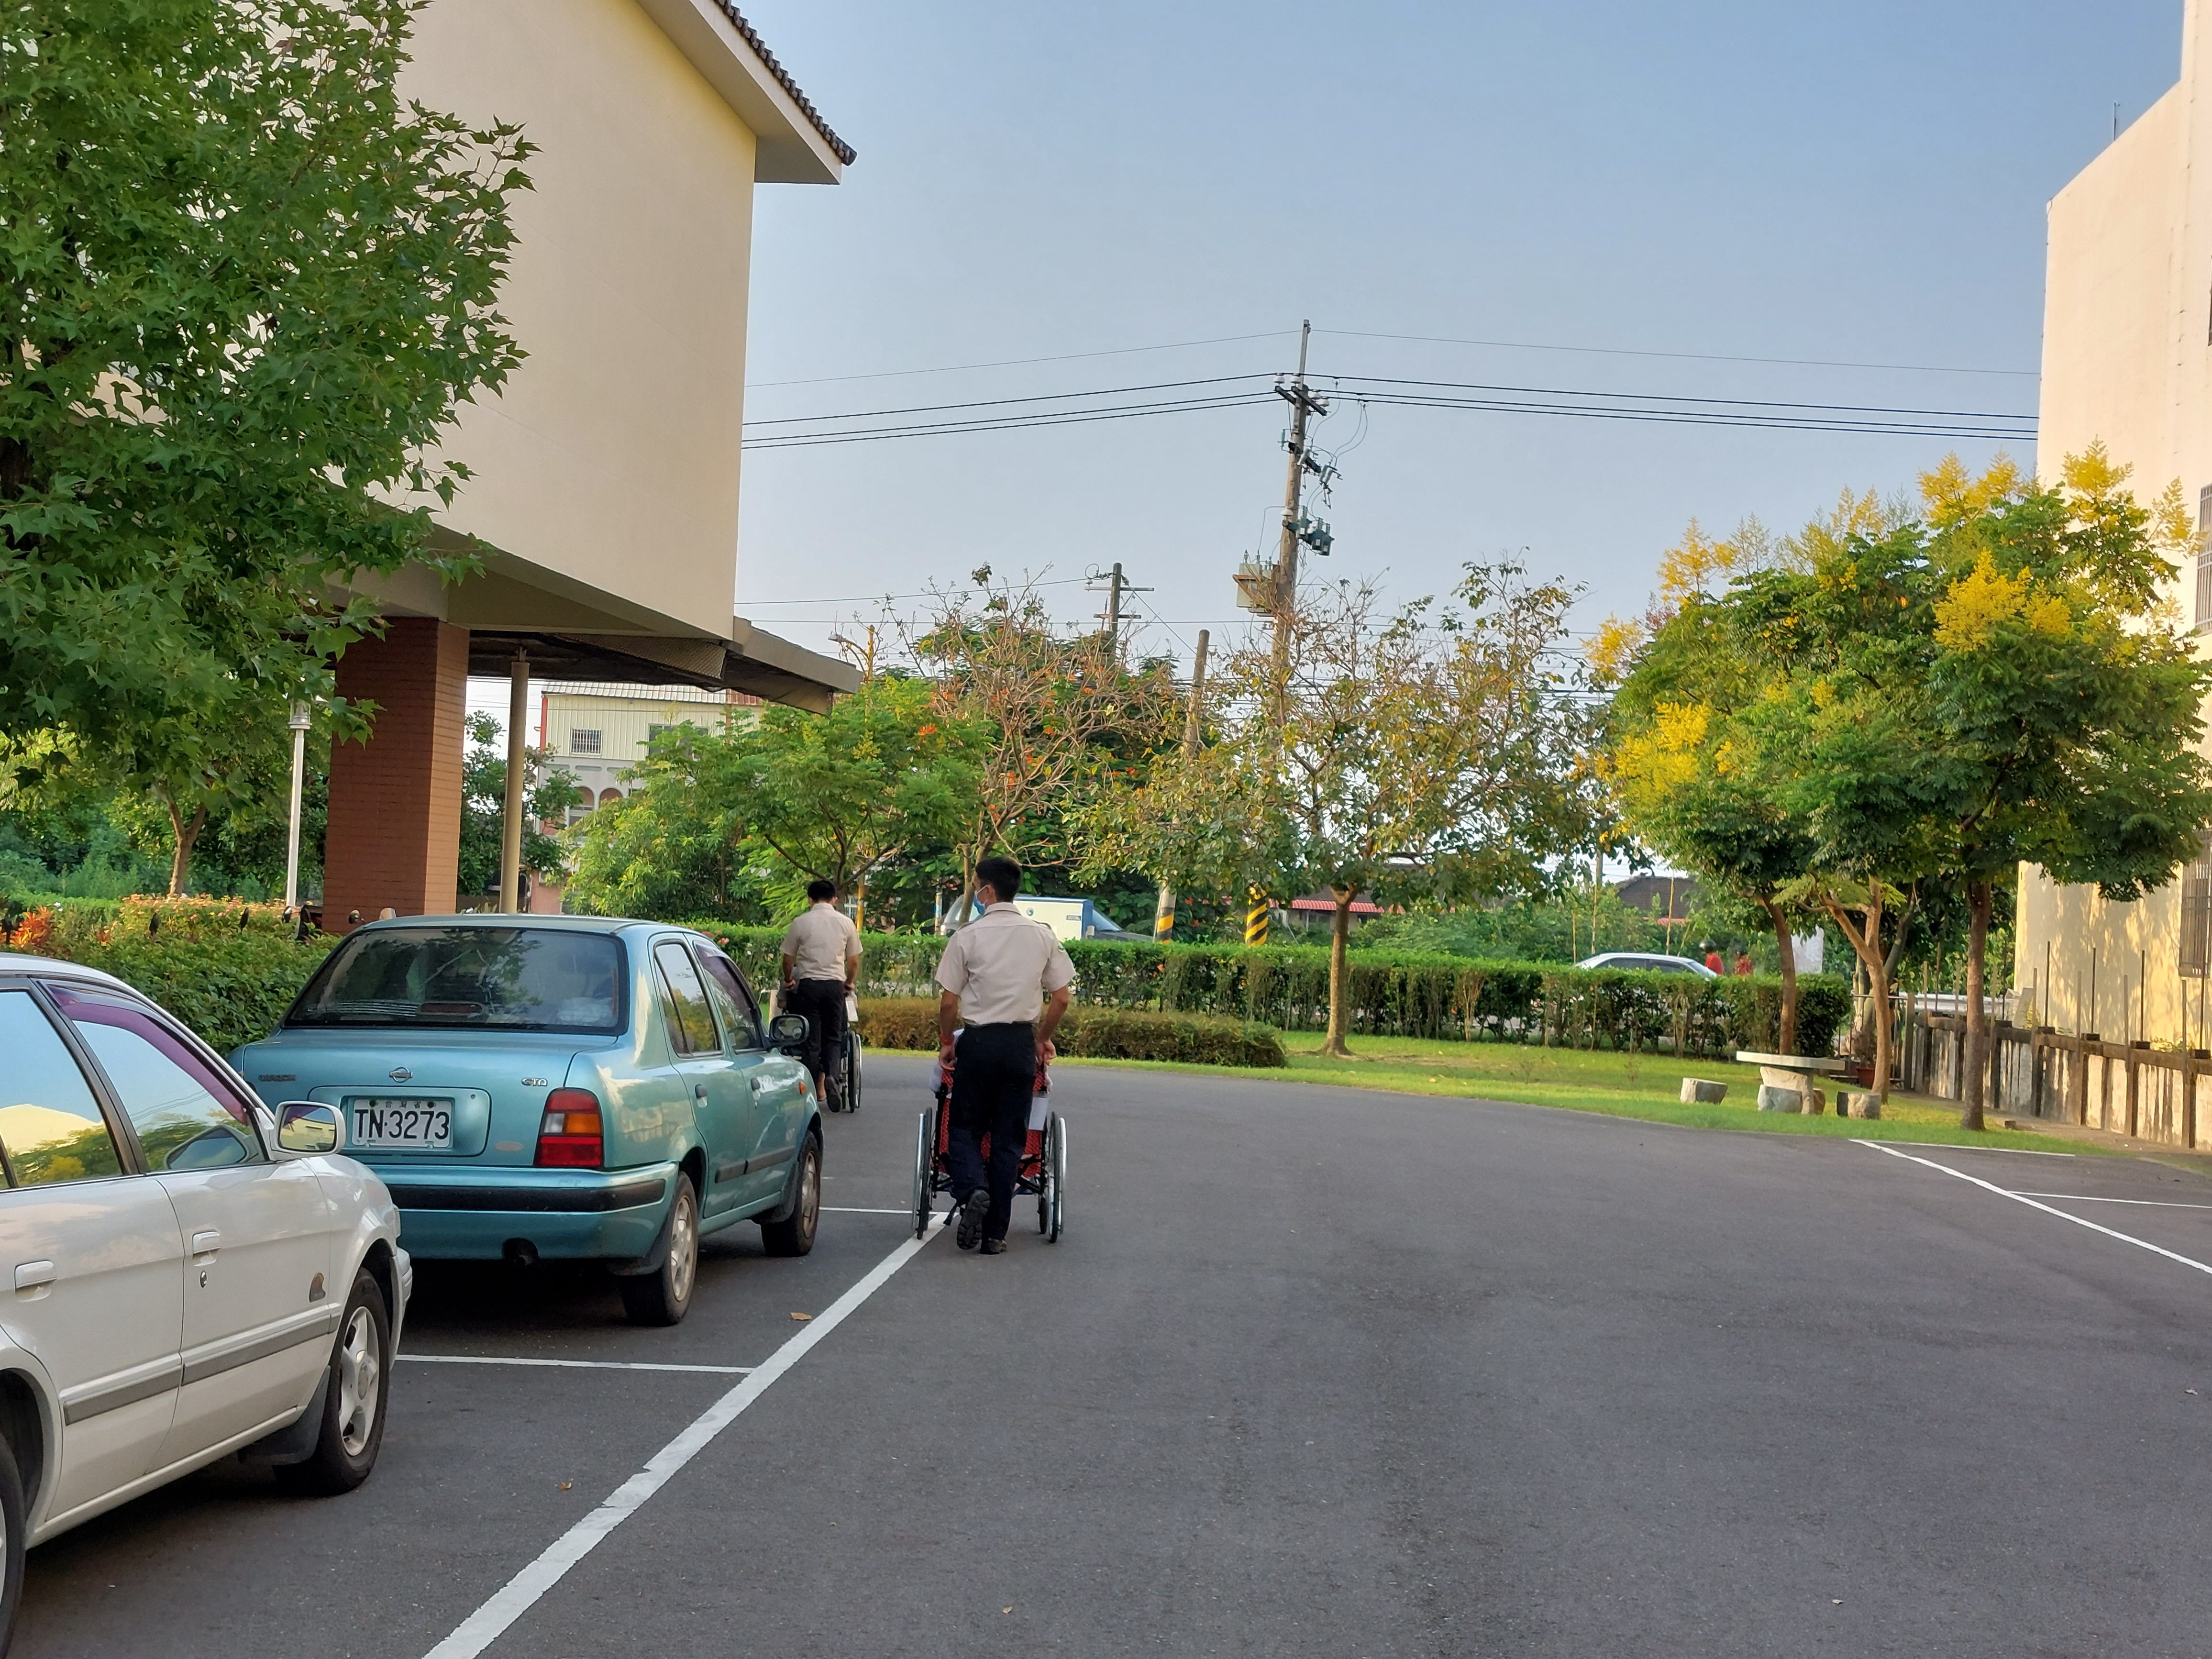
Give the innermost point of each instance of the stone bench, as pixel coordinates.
(1785, 1081)
(1702, 1092)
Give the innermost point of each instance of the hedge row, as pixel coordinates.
(1095, 1033)
(226, 968)
(1455, 998)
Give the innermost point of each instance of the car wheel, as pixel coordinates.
(353, 1399)
(11, 1546)
(663, 1297)
(795, 1234)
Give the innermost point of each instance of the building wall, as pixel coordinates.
(611, 457)
(2127, 359)
(625, 720)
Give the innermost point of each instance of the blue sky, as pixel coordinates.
(1863, 183)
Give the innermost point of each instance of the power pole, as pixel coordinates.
(1295, 531)
(1164, 917)
(1117, 585)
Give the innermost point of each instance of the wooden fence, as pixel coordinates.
(2155, 1094)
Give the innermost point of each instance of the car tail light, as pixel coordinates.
(571, 1137)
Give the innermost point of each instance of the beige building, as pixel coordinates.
(606, 472)
(2127, 359)
(596, 733)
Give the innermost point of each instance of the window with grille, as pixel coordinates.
(2203, 614)
(2196, 913)
(583, 742)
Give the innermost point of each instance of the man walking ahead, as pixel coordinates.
(1010, 976)
(821, 960)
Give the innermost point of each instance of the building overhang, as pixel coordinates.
(794, 144)
(574, 631)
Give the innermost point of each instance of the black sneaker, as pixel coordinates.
(994, 1246)
(975, 1209)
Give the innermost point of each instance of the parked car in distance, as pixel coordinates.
(193, 1273)
(1646, 962)
(574, 1087)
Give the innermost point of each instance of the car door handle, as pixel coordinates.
(206, 1242)
(31, 1275)
(699, 1090)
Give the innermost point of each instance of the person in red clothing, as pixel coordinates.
(1713, 959)
(1743, 964)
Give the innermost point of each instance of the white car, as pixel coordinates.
(183, 1274)
(1646, 962)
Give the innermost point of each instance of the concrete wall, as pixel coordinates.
(611, 456)
(2127, 359)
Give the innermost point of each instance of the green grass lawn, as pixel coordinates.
(1645, 1086)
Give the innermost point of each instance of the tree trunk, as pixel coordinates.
(1338, 973)
(186, 834)
(1979, 901)
(1786, 1037)
(1865, 941)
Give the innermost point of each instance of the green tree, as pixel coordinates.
(837, 796)
(1429, 751)
(548, 793)
(246, 287)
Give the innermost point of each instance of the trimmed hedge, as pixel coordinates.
(227, 969)
(1095, 1033)
(1455, 998)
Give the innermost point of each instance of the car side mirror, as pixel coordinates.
(788, 1031)
(305, 1127)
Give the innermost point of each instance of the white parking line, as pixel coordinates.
(847, 1209)
(483, 1626)
(1960, 1146)
(2021, 1198)
(572, 1364)
(2092, 1198)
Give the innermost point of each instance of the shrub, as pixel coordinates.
(1095, 1033)
(1392, 994)
(227, 969)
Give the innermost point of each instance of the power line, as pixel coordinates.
(1682, 357)
(1019, 362)
(1680, 397)
(1001, 403)
(1005, 423)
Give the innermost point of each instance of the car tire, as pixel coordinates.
(11, 1547)
(795, 1234)
(663, 1297)
(354, 1399)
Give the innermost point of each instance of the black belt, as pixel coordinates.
(1006, 1025)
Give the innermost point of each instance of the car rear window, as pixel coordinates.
(515, 979)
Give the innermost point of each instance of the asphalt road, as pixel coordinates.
(1313, 1372)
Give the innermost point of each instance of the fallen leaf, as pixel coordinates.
(1005, 1609)
(802, 1318)
(564, 1485)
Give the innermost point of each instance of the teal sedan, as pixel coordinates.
(558, 1086)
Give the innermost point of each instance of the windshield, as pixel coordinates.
(514, 978)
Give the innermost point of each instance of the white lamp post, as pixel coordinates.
(303, 716)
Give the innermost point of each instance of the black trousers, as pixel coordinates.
(994, 1077)
(822, 1002)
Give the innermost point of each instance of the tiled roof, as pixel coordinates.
(845, 152)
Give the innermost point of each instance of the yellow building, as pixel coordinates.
(2127, 359)
(605, 471)
(596, 733)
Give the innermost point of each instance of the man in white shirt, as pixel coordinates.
(1010, 977)
(821, 960)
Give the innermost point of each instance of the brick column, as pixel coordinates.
(395, 821)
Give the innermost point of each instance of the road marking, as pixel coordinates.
(2091, 1198)
(1961, 1146)
(484, 1627)
(2020, 1198)
(572, 1364)
(847, 1209)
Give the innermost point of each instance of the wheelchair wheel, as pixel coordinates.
(924, 1186)
(1055, 1179)
(852, 1070)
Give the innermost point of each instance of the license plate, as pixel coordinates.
(411, 1125)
